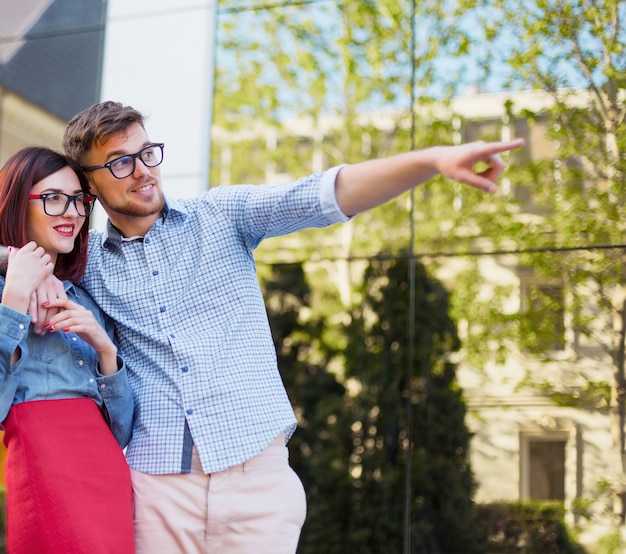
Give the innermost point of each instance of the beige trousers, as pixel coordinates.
(255, 507)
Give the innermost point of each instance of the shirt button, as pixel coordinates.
(155, 272)
(21, 326)
(189, 412)
(172, 336)
(162, 308)
(185, 369)
(147, 241)
(91, 380)
(74, 339)
(80, 362)
(103, 386)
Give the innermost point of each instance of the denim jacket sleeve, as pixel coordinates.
(115, 391)
(117, 398)
(13, 331)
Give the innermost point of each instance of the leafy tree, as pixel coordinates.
(351, 449)
(281, 68)
(574, 51)
(347, 58)
(443, 519)
(320, 448)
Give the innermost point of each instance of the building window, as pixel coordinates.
(483, 129)
(547, 470)
(542, 465)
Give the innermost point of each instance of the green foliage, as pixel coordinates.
(595, 395)
(526, 528)
(320, 448)
(351, 447)
(491, 331)
(565, 203)
(583, 507)
(574, 52)
(542, 327)
(340, 58)
(376, 359)
(611, 543)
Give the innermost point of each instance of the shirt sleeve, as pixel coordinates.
(117, 398)
(263, 211)
(328, 198)
(115, 391)
(13, 331)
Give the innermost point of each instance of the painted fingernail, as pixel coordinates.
(52, 328)
(10, 248)
(66, 330)
(46, 324)
(45, 304)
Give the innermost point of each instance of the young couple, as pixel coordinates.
(208, 458)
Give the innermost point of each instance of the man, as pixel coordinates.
(208, 456)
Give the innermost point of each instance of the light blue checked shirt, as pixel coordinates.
(192, 324)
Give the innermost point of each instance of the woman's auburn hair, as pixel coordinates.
(17, 177)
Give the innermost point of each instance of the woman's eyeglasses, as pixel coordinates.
(57, 203)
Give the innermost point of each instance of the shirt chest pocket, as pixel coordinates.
(48, 348)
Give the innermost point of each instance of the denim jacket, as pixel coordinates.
(61, 365)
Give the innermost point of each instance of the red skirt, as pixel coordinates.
(68, 484)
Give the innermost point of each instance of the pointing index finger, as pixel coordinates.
(503, 146)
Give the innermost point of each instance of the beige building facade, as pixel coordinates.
(23, 124)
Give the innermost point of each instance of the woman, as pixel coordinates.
(65, 402)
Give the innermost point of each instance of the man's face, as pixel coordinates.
(136, 197)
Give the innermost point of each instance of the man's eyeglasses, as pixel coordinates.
(57, 203)
(122, 167)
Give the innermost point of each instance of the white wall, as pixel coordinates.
(159, 58)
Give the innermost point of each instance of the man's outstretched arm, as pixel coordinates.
(365, 185)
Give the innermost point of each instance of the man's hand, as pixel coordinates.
(459, 162)
(27, 268)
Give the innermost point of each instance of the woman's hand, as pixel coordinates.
(75, 318)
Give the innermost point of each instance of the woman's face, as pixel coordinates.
(55, 234)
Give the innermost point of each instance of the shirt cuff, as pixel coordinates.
(114, 384)
(328, 199)
(13, 324)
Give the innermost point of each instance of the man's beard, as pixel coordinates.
(139, 210)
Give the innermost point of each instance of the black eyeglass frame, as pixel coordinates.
(133, 157)
(87, 202)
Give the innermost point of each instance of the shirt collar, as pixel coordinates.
(69, 286)
(172, 207)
